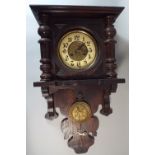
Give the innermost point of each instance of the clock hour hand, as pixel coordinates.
(79, 48)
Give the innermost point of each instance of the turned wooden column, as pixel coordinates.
(45, 45)
(109, 42)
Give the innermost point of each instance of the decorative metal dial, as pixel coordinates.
(80, 112)
(77, 49)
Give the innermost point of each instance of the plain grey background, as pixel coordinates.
(45, 137)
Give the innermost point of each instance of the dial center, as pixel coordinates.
(77, 50)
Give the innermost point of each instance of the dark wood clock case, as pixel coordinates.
(62, 86)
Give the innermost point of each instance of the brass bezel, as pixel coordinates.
(90, 36)
(83, 103)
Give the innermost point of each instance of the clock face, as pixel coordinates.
(80, 112)
(77, 50)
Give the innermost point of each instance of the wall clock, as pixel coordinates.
(78, 65)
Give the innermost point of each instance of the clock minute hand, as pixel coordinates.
(79, 47)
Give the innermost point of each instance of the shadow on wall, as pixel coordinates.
(122, 50)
